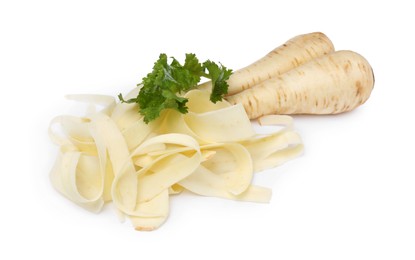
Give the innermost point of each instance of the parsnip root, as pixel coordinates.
(291, 54)
(331, 84)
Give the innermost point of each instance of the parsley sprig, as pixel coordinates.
(164, 87)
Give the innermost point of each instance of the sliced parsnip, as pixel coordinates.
(65, 179)
(93, 100)
(119, 156)
(226, 174)
(220, 125)
(199, 102)
(166, 167)
(153, 213)
(61, 128)
(207, 126)
(206, 183)
(212, 151)
(271, 150)
(233, 162)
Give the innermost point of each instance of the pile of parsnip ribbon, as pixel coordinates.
(111, 155)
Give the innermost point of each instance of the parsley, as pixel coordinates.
(218, 75)
(164, 86)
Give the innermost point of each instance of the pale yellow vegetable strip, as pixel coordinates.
(87, 147)
(107, 102)
(207, 183)
(88, 177)
(269, 151)
(233, 162)
(135, 134)
(221, 125)
(156, 207)
(84, 186)
(134, 92)
(108, 180)
(227, 174)
(143, 160)
(171, 121)
(149, 147)
(65, 122)
(152, 189)
(76, 127)
(279, 157)
(104, 162)
(64, 178)
(139, 190)
(159, 142)
(125, 114)
(75, 133)
(154, 213)
(175, 167)
(199, 102)
(207, 126)
(168, 168)
(64, 162)
(131, 124)
(113, 140)
(263, 146)
(175, 189)
(164, 151)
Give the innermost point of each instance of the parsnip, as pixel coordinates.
(291, 54)
(213, 150)
(331, 84)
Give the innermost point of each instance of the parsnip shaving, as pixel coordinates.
(272, 150)
(111, 154)
(153, 213)
(85, 191)
(220, 125)
(227, 174)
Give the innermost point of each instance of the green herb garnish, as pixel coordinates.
(164, 87)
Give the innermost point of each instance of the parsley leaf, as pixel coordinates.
(218, 75)
(164, 86)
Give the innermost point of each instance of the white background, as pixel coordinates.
(350, 196)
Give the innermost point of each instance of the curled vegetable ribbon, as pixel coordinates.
(113, 155)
